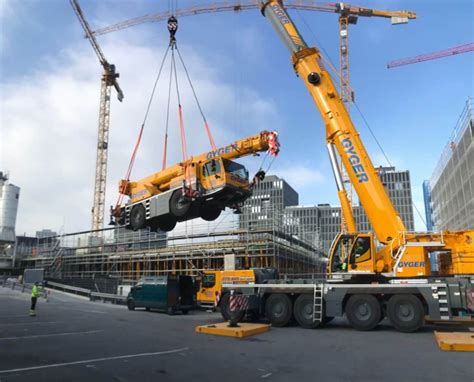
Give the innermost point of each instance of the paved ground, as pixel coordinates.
(76, 340)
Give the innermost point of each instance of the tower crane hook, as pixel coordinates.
(172, 28)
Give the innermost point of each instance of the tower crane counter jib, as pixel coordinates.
(159, 201)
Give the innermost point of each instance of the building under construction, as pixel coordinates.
(190, 249)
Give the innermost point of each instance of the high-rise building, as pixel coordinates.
(398, 186)
(274, 204)
(452, 182)
(265, 208)
(428, 203)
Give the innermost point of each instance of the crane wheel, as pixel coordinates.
(279, 309)
(224, 306)
(363, 311)
(209, 213)
(303, 310)
(137, 217)
(166, 224)
(405, 312)
(179, 205)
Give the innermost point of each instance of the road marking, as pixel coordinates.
(50, 335)
(92, 361)
(34, 323)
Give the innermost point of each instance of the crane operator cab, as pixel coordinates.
(352, 252)
(224, 180)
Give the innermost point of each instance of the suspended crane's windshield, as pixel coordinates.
(235, 169)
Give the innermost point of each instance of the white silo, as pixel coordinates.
(9, 196)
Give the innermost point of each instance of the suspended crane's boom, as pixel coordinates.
(402, 253)
(432, 56)
(109, 78)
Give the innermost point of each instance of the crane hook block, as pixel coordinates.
(172, 27)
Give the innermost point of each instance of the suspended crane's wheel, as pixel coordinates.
(279, 309)
(179, 205)
(209, 213)
(303, 311)
(166, 223)
(363, 311)
(405, 312)
(137, 217)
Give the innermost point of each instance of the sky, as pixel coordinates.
(50, 89)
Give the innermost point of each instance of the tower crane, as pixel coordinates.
(432, 56)
(109, 79)
(348, 15)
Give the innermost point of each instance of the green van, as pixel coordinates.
(165, 293)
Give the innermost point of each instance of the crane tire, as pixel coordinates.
(279, 309)
(405, 312)
(303, 311)
(209, 213)
(179, 205)
(166, 224)
(137, 217)
(224, 306)
(363, 311)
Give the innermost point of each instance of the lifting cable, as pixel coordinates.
(140, 133)
(206, 126)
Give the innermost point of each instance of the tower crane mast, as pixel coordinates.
(108, 79)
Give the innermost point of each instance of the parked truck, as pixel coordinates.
(369, 276)
(210, 295)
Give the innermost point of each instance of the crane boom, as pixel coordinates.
(160, 181)
(340, 131)
(432, 56)
(236, 6)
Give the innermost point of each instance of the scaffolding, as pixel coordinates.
(190, 249)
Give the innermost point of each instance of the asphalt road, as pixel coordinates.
(72, 339)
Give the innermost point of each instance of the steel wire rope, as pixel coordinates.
(137, 144)
(208, 131)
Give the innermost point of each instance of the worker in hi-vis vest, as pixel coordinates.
(35, 293)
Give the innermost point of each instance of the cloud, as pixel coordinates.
(300, 176)
(49, 120)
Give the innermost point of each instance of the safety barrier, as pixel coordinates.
(69, 288)
(115, 299)
(15, 285)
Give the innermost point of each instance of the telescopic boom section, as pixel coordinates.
(340, 130)
(160, 181)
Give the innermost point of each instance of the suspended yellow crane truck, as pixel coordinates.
(369, 276)
(202, 186)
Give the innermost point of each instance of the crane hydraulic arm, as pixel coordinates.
(404, 254)
(161, 181)
(340, 131)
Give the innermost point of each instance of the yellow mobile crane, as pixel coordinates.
(202, 186)
(366, 280)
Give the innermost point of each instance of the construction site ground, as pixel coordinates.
(73, 339)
